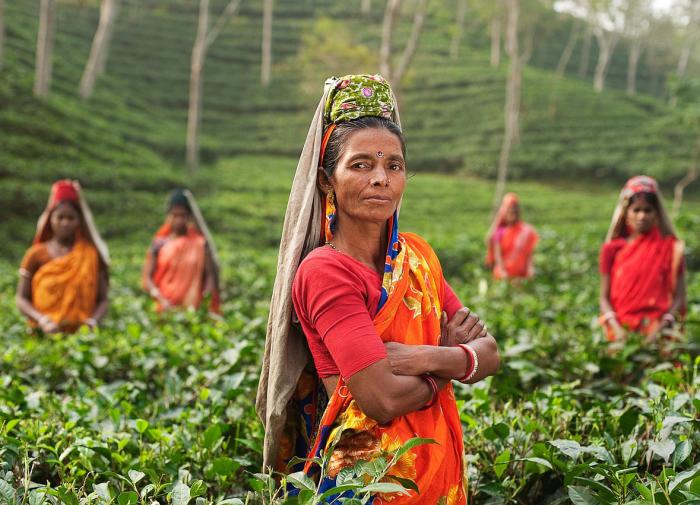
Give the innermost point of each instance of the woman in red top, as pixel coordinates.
(642, 274)
(511, 242)
(385, 331)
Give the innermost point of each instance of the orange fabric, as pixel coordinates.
(643, 281)
(179, 269)
(411, 315)
(510, 251)
(65, 288)
(510, 247)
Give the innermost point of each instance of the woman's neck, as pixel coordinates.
(364, 241)
(66, 242)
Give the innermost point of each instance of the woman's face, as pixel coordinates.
(64, 221)
(370, 176)
(512, 214)
(641, 215)
(179, 219)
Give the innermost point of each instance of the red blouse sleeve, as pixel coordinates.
(450, 303)
(332, 299)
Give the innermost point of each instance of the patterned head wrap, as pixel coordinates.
(352, 97)
(63, 191)
(640, 184)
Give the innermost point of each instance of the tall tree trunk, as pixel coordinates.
(2, 31)
(683, 59)
(568, 49)
(511, 110)
(266, 43)
(495, 29)
(199, 52)
(97, 60)
(606, 45)
(366, 6)
(632, 65)
(459, 29)
(689, 177)
(44, 48)
(390, 14)
(586, 52)
(411, 45)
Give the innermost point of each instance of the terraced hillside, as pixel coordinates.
(130, 136)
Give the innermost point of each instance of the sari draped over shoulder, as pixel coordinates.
(65, 288)
(510, 246)
(410, 315)
(643, 279)
(180, 263)
(510, 251)
(643, 270)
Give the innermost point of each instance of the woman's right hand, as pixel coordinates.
(47, 325)
(618, 330)
(464, 327)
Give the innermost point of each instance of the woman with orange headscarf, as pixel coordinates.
(511, 242)
(364, 333)
(642, 270)
(182, 266)
(64, 278)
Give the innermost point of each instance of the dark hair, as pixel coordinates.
(337, 140)
(652, 198)
(73, 204)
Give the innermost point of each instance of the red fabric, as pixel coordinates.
(515, 245)
(642, 278)
(335, 298)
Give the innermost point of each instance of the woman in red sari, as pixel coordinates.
(642, 272)
(181, 266)
(511, 242)
(64, 276)
(385, 331)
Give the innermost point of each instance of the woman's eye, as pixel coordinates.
(361, 165)
(395, 166)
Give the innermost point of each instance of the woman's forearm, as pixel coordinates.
(27, 308)
(453, 362)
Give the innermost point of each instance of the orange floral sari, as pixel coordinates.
(65, 288)
(411, 315)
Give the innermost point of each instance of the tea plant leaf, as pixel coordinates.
(501, 463)
(141, 425)
(411, 443)
(135, 476)
(180, 494)
(570, 448)
(385, 488)
(581, 496)
(301, 481)
(128, 498)
(682, 477)
(225, 466)
(682, 452)
(7, 493)
(102, 491)
(663, 448)
(407, 483)
(339, 490)
(211, 435)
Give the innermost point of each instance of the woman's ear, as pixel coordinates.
(323, 181)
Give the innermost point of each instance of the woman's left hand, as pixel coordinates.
(405, 359)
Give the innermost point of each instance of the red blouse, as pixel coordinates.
(335, 298)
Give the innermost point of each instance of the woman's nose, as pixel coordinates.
(380, 177)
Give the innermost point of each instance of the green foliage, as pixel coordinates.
(161, 409)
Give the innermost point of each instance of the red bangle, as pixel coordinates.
(471, 362)
(433, 386)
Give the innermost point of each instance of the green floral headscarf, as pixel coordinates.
(356, 96)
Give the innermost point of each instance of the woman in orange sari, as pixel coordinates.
(182, 266)
(642, 271)
(511, 242)
(385, 331)
(64, 279)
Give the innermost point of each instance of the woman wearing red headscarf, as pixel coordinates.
(181, 266)
(511, 242)
(64, 279)
(642, 272)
